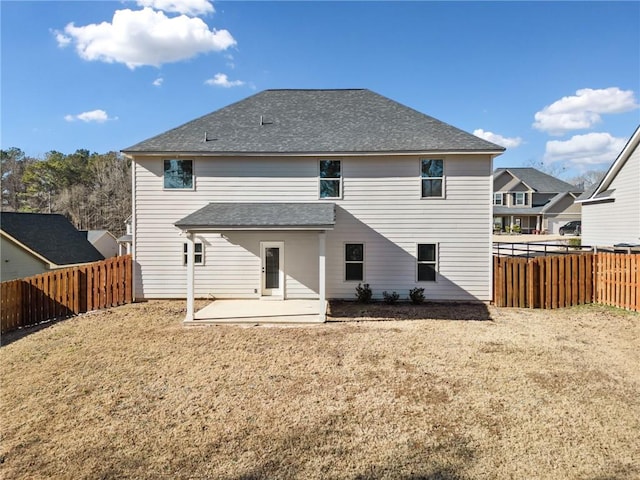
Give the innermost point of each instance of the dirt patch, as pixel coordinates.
(349, 311)
(130, 393)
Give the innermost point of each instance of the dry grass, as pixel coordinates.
(130, 393)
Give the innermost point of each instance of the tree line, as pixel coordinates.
(93, 190)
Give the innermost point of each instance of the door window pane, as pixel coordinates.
(272, 267)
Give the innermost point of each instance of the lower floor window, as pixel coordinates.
(354, 261)
(427, 262)
(198, 253)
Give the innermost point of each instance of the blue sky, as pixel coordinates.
(554, 82)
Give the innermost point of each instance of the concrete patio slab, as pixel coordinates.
(256, 311)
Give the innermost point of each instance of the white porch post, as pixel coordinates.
(538, 224)
(190, 278)
(322, 245)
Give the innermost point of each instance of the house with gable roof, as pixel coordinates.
(611, 208)
(33, 243)
(532, 201)
(305, 194)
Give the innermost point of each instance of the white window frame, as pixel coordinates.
(500, 196)
(196, 246)
(427, 262)
(330, 179)
(442, 178)
(193, 175)
(524, 199)
(364, 254)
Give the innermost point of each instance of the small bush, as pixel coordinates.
(575, 243)
(364, 293)
(416, 295)
(390, 298)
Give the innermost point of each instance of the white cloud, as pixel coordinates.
(145, 37)
(193, 8)
(221, 80)
(507, 142)
(63, 40)
(98, 116)
(583, 110)
(585, 150)
(158, 82)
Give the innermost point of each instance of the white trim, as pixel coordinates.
(344, 260)
(279, 292)
(190, 279)
(322, 275)
(443, 179)
(339, 179)
(193, 176)
(428, 262)
(407, 153)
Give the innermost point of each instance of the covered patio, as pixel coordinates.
(272, 303)
(256, 311)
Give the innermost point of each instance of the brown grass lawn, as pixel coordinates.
(130, 393)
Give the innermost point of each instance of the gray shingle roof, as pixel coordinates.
(539, 181)
(314, 121)
(50, 235)
(260, 215)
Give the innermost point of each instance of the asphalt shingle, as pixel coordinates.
(314, 121)
(264, 215)
(51, 236)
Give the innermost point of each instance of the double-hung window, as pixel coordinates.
(427, 262)
(520, 198)
(354, 262)
(198, 253)
(178, 174)
(498, 199)
(432, 175)
(330, 179)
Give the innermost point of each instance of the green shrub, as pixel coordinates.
(416, 295)
(390, 298)
(575, 243)
(364, 293)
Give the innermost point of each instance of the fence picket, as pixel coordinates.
(65, 292)
(562, 281)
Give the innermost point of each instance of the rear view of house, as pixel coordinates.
(306, 194)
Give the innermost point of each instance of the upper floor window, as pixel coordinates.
(330, 179)
(178, 174)
(498, 199)
(432, 172)
(198, 253)
(520, 198)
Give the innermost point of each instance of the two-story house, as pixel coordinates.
(307, 193)
(530, 201)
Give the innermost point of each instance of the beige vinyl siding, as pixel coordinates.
(381, 207)
(609, 223)
(18, 263)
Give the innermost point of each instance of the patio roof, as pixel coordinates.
(260, 216)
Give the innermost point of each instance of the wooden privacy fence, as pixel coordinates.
(567, 280)
(65, 292)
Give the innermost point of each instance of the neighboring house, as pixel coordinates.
(306, 194)
(611, 208)
(33, 243)
(532, 201)
(125, 241)
(104, 241)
